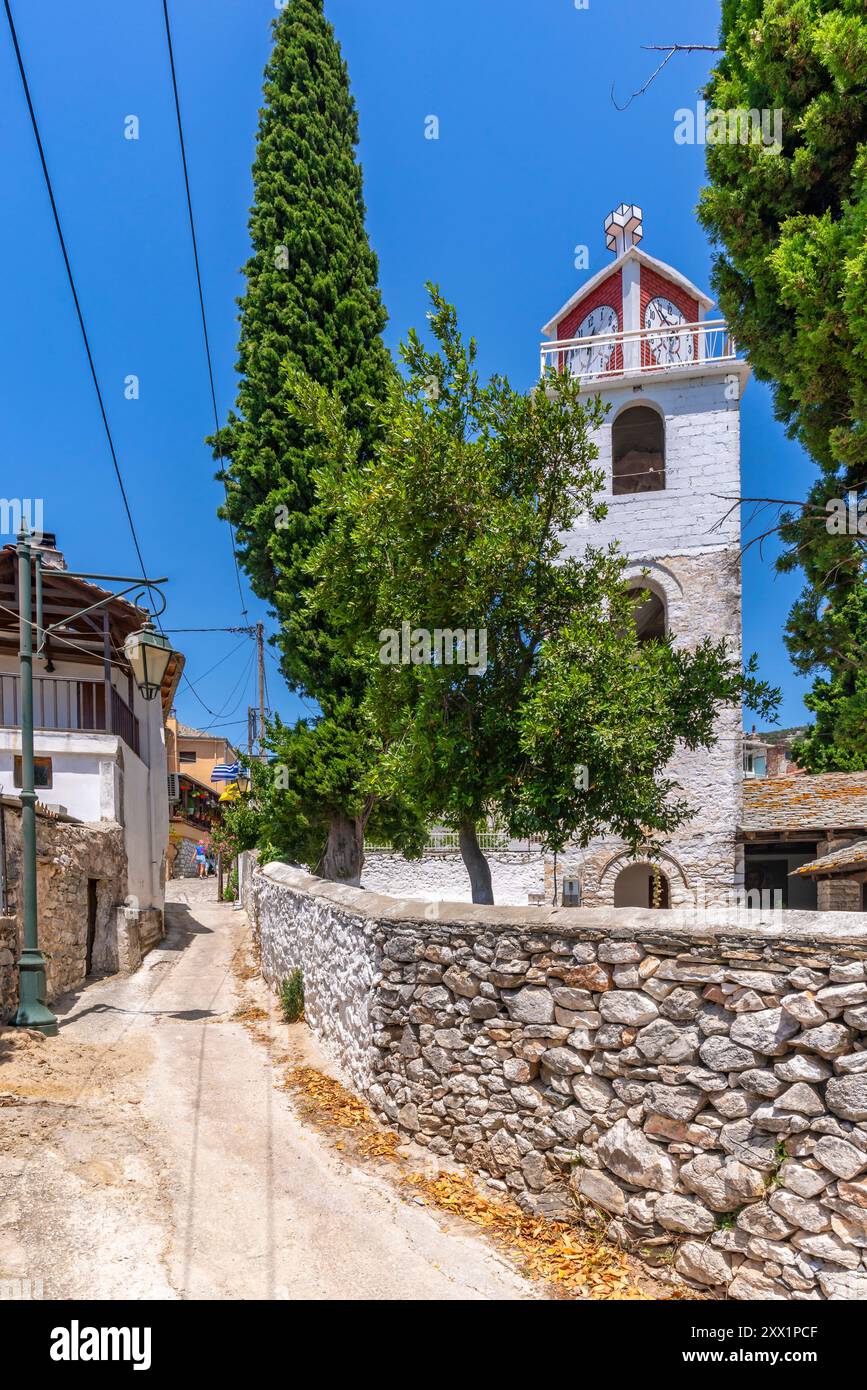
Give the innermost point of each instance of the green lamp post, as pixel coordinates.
(32, 1009)
(148, 653)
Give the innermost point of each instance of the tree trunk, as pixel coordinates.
(475, 864)
(343, 859)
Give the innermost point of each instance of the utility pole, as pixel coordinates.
(260, 643)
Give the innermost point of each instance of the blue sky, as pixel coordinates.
(531, 155)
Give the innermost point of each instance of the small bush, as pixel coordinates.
(292, 996)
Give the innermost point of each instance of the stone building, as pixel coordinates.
(100, 773)
(637, 334)
(85, 922)
(840, 877)
(769, 753)
(191, 756)
(801, 839)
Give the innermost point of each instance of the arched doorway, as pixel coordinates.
(650, 621)
(640, 885)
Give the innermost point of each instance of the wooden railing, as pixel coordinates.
(124, 722)
(71, 706)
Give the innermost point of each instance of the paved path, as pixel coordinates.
(149, 1154)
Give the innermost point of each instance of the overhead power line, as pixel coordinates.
(25, 84)
(83, 327)
(201, 292)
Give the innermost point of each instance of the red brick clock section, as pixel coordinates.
(655, 286)
(609, 292)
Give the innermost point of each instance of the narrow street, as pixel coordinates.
(147, 1152)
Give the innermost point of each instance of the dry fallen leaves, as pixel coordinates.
(249, 1013)
(577, 1262)
(322, 1098)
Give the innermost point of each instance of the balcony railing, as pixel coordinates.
(71, 706)
(641, 350)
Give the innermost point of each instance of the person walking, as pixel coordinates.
(201, 861)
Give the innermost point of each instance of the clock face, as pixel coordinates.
(670, 344)
(588, 361)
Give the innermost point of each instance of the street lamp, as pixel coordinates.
(32, 1009)
(149, 654)
(242, 781)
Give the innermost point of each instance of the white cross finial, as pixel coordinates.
(623, 228)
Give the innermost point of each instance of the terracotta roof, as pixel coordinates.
(79, 638)
(826, 801)
(852, 857)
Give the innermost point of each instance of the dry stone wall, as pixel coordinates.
(702, 1081)
(8, 973)
(68, 853)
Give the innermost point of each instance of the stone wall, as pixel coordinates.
(441, 875)
(337, 953)
(68, 854)
(703, 1081)
(8, 973)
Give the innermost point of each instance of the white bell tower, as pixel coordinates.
(637, 334)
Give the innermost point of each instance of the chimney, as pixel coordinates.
(47, 546)
(623, 228)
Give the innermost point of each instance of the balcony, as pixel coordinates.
(196, 804)
(682, 348)
(71, 706)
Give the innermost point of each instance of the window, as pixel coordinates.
(649, 614)
(571, 896)
(755, 764)
(638, 451)
(42, 773)
(186, 757)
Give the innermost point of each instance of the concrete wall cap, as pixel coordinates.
(673, 927)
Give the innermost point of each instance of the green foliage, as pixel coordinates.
(230, 892)
(311, 299)
(456, 523)
(791, 279)
(292, 996)
(312, 303)
(317, 769)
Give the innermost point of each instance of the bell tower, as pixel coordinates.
(637, 333)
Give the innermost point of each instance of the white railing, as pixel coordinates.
(440, 841)
(640, 350)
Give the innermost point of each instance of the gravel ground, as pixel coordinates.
(147, 1153)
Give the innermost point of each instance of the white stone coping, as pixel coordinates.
(674, 927)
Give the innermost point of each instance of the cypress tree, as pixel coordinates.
(311, 305)
(312, 302)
